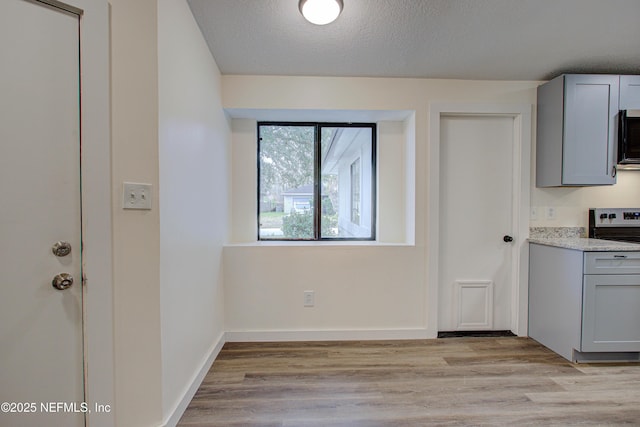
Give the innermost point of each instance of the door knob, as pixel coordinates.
(61, 249)
(62, 281)
(507, 239)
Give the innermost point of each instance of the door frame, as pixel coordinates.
(97, 256)
(521, 113)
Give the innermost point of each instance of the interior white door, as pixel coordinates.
(41, 351)
(476, 213)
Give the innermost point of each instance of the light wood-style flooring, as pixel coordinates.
(507, 381)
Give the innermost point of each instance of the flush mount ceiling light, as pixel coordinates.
(320, 12)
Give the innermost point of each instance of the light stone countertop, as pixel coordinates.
(585, 244)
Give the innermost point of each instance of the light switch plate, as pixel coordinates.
(136, 196)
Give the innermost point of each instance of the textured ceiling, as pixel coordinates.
(460, 39)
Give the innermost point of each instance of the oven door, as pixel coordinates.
(629, 139)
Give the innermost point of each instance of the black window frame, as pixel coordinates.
(317, 174)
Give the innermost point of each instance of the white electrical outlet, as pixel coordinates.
(550, 213)
(533, 215)
(309, 298)
(136, 196)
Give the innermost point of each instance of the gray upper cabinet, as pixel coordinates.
(630, 92)
(576, 130)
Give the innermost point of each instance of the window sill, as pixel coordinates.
(323, 243)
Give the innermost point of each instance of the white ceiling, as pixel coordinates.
(460, 39)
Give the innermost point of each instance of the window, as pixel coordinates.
(316, 181)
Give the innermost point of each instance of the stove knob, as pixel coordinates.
(612, 216)
(603, 216)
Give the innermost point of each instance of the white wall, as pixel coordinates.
(358, 289)
(361, 291)
(244, 224)
(193, 146)
(572, 204)
(392, 147)
(136, 234)
(168, 129)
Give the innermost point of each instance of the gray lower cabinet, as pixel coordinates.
(585, 306)
(576, 130)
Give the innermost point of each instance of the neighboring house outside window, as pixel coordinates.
(298, 199)
(316, 181)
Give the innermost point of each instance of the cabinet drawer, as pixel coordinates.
(612, 263)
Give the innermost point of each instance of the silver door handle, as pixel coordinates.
(62, 281)
(61, 249)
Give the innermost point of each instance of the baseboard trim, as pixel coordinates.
(328, 335)
(176, 413)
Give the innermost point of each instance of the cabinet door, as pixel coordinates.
(591, 108)
(630, 92)
(611, 313)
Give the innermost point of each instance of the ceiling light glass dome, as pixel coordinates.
(320, 12)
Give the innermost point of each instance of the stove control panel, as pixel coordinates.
(615, 217)
(631, 216)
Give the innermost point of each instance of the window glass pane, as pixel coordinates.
(346, 191)
(355, 192)
(286, 157)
